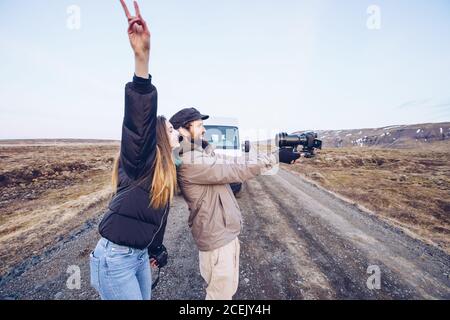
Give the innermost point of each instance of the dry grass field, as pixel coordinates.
(46, 190)
(410, 188)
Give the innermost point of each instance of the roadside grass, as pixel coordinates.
(409, 188)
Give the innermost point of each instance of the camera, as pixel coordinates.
(160, 255)
(304, 143)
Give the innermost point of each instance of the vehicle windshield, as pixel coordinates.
(223, 137)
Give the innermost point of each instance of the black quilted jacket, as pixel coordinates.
(130, 220)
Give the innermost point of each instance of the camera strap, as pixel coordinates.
(155, 283)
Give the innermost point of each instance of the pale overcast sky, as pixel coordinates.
(273, 65)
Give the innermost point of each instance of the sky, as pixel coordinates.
(272, 65)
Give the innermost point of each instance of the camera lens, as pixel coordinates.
(285, 140)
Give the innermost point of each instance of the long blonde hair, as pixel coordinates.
(164, 181)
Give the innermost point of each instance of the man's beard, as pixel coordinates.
(197, 141)
(178, 152)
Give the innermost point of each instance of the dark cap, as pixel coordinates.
(183, 117)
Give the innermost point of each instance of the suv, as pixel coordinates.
(223, 134)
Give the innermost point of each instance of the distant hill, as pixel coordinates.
(401, 136)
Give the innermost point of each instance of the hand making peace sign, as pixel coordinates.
(138, 32)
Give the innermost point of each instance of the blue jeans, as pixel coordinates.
(120, 272)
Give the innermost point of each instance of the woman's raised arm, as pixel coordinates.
(138, 145)
(139, 36)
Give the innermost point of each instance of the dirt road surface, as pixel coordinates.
(298, 242)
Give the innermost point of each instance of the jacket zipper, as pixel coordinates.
(159, 228)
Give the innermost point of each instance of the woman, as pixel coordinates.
(144, 178)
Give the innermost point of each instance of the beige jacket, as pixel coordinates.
(204, 177)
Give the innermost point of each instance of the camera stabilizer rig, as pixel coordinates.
(303, 144)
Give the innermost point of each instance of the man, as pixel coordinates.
(215, 218)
